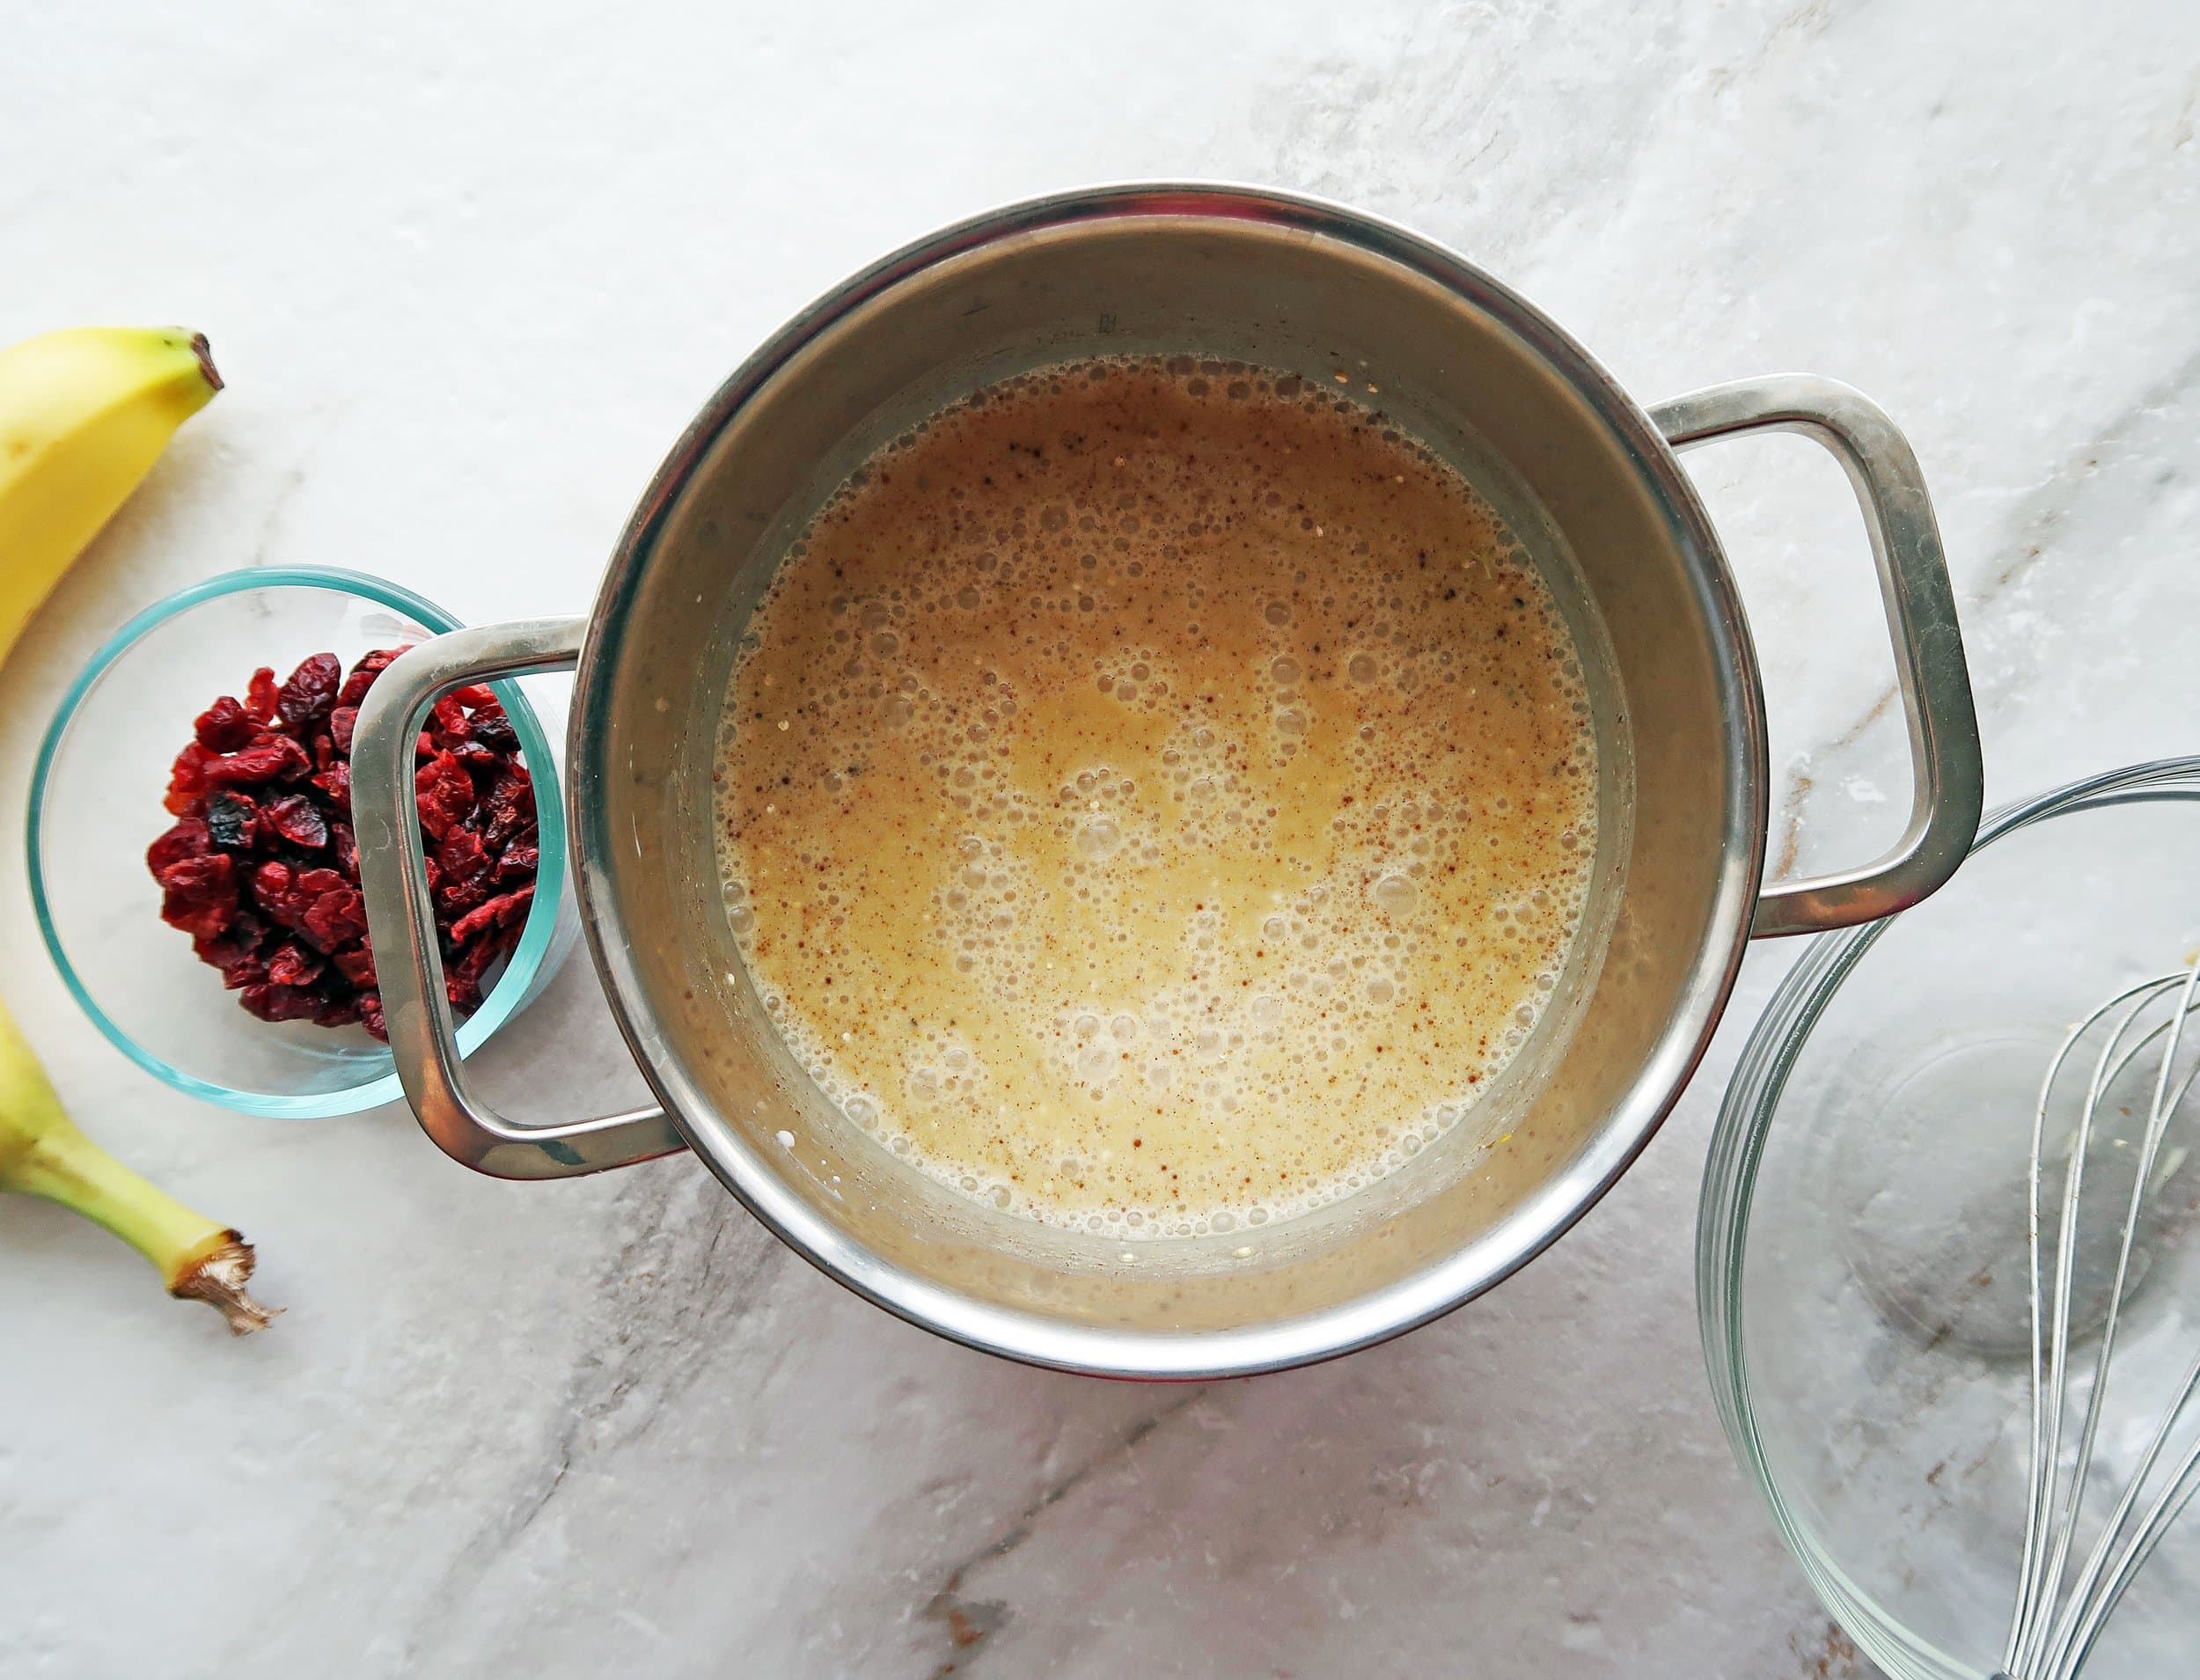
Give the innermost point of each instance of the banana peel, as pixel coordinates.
(42, 1153)
(83, 415)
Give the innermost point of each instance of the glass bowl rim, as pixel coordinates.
(1746, 1113)
(511, 989)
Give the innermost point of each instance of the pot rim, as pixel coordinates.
(1467, 1271)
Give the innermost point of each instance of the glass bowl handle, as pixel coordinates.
(1936, 686)
(401, 918)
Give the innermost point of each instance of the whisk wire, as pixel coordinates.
(2037, 1493)
(2042, 1641)
(2046, 1540)
(2075, 1627)
(2089, 1608)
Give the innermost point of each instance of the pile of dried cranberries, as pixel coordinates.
(261, 870)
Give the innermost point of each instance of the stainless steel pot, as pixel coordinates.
(1586, 476)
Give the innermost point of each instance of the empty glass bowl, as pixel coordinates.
(96, 805)
(1861, 1259)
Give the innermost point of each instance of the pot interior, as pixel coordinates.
(1473, 372)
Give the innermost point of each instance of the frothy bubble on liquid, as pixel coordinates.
(1396, 894)
(1033, 808)
(1099, 838)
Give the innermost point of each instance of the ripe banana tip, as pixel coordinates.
(218, 1278)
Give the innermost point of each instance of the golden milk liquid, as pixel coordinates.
(1157, 796)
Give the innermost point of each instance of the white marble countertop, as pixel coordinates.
(468, 270)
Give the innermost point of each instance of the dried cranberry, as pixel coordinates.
(273, 1002)
(493, 729)
(306, 698)
(444, 794)
(243, 972)
(189, 837)
(199, 894)
(500, 911)
(518, 860)
(298, 821)
(341, 722)
(276, 757)
(337, 1012)
(187, 779)
(290, 966)
(371, 1014)
(347, 848)
(451, 725)
(273, 887)
(355, 966)
(363, 674)
(461, 854)
(259, 695)
(236, 949)
(336, 918)
(462, 867)
(225, 726)
(335, 782)
(229, 816)
(462, 972)
(510, 806)
(478, 761)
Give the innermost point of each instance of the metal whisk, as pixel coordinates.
(2058, 1617)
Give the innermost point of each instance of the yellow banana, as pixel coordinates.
(43, 1153)
(83, 413)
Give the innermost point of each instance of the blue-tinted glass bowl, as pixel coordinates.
(96, 805)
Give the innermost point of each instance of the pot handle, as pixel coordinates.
(402, 922)
(1913, 576)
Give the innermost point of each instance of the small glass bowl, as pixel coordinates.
(1861, 1246)
(96, 805)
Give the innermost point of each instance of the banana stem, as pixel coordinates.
(42, 1153)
